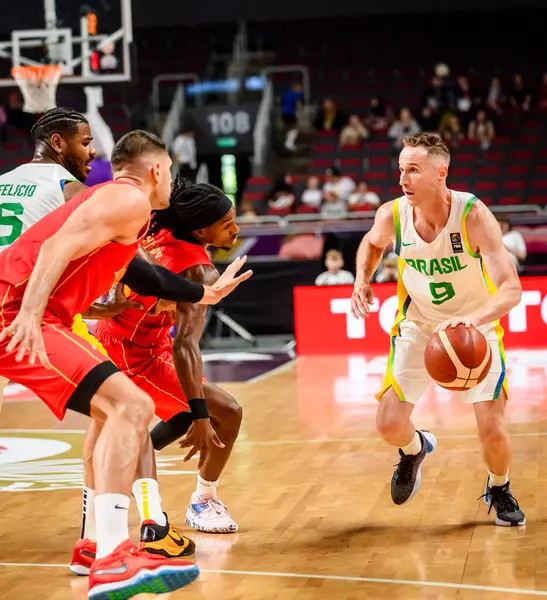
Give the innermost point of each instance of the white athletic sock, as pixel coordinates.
(88, 515)
(206, 488)
(148, 500)
(497, 480)
(112, 516)
(414, 446)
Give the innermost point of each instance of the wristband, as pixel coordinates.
(198, 407)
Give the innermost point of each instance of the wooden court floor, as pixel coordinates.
(308, 484)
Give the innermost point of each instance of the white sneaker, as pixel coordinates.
(208, 514)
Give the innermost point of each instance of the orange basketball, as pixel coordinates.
(458, 358)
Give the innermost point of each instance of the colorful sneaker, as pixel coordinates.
(83, 556)
(127, 572)
(408, 474)
(508, 513)
(165, 540)
(208, 514)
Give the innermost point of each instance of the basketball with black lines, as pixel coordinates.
(458, 358)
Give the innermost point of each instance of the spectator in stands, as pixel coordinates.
(329, 118)
(388, 271)
(336, 193)
(495, 97)
(513, 241)
(363, 198)
(451, 130)
(437, 96)
(482, 129)
(353, 133)
(379, 114)
(520, 96)
(335, 274)
(281, 196)
(542, 97)
(405, 125)
(184, 151)
(307, 246)
(291, 101)
(312, 196)
(466, 98)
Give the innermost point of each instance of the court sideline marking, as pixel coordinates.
(434, 584)
(284, 367)
(463, 436)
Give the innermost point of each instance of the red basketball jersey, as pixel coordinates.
(137, 325)
(83, 281)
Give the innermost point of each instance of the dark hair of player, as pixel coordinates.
(190, 206)
(133, 145)
(58, 120)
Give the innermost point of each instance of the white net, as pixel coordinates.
(38, 86)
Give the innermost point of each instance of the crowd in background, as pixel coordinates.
(453, 107)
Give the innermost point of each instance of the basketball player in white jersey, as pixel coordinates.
(61, 163)
(453, 268)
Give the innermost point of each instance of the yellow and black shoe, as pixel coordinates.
(165, 540)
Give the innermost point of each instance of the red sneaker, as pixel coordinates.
(127, 572)
(83, 556)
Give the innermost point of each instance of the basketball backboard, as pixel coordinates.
(90, 43)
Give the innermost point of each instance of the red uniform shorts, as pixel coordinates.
(152, 369)
(78, 369)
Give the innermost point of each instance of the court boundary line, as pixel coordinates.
(402, 582)
(275, 371)
(463, 436)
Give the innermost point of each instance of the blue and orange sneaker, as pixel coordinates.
(128, 571)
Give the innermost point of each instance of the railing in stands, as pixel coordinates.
(315, 223)
(236, 68)
(261, 133)
(171, 126)
(159, 79)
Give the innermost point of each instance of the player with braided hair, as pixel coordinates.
(139, 343)
(63, 154)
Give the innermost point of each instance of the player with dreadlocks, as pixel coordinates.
(54, 271)
(63, 154)
(139, 342)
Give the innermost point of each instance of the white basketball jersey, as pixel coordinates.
(442, 279)
(27, 194)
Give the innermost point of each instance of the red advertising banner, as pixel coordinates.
(324, 323)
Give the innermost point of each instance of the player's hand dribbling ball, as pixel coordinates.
(458, 358)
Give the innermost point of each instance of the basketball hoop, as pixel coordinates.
(38, 86)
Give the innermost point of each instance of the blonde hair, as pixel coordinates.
(433, 144)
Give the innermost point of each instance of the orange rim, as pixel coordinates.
(43, 72)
